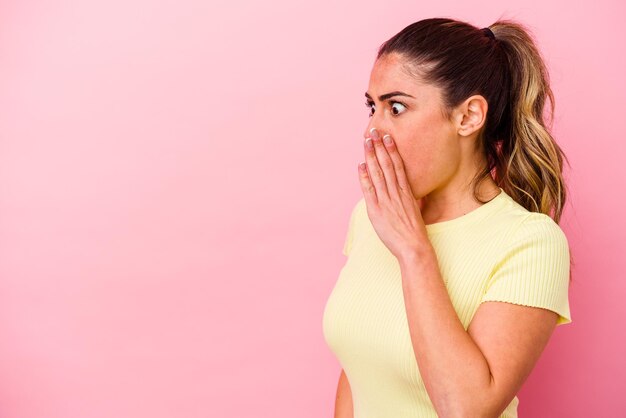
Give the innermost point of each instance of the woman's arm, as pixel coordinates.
(473, 373)
(343, 402)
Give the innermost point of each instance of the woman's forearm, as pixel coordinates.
(343, 401)
(454, 370)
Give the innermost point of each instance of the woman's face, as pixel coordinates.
(427, 142)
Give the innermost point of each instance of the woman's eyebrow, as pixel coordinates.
(386, 96)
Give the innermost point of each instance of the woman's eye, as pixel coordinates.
(395, 110)
(393, 107)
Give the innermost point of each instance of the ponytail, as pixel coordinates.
(529, 162)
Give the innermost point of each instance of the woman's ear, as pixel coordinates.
(471, 115)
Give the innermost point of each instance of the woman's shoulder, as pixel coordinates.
(528, 222)
(539, 230)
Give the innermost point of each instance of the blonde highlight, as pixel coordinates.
(532, 173)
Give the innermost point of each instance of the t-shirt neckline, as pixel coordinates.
(471, 216)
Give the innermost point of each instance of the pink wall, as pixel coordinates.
(175, 182)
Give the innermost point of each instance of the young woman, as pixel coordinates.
(457, 270)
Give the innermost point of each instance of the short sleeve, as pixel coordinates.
(534, 269)
(347, 245)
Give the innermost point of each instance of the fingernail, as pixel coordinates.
(387, 139)
(369, 143)
(374, 133)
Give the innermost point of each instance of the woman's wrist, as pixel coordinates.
(416, 254)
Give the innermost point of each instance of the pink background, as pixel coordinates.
(176, 179)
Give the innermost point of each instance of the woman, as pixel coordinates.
(457, 269)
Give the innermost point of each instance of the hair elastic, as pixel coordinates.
(489, 33)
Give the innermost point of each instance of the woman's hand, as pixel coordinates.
(393, 210)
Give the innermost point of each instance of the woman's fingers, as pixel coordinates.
(370, 174)
(375, 171)
(386, 164)
(383, 176)
(401, 179)
(367, 187)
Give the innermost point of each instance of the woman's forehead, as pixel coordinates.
(391, 73)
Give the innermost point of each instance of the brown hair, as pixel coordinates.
(509, 72)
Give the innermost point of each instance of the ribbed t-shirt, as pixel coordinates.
(499, 251)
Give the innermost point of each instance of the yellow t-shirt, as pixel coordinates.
(499, 251)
